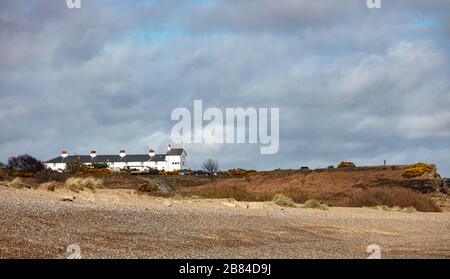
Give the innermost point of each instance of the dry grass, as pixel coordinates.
(395, 209)
(15, 183)
(283, 200)
(78, 184)
(392, 197)
(236, 192)
(50, 186)
(315, 204)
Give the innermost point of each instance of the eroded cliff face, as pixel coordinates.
(335, 181)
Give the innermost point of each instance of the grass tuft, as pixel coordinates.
(77, 184)
(315, 204)
(283, 200)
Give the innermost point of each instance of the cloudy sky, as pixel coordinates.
(352, 83)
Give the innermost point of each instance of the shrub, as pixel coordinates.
(17, 183)
(50, 186)
(312, 203)
(147, 188)
(418, 170)
(345, 164)
(77, 184)
(25, 163)
(15, 173)
(100, 165)
(238, 172)
(236, 192)
(3, 173)
(282, 200)
(391, 197)
(94, 171)
(74, 166)
(48, 175)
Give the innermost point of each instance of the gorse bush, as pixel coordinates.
(238, 172)
(345, 164)
(418, 169)
(25, 163)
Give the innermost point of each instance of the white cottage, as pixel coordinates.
(174, 159)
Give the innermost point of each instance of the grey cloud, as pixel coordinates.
(345, 91)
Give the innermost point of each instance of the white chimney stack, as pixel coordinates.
(122, 153)
(169, 147)
(64, 154)
(93, 154)
(151, 153)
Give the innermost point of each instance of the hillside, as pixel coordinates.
(338, 187)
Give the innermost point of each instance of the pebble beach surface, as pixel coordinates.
(123, 224)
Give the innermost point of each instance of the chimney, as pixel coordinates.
(64, 154)
(169, 148)
(93, 154)
(122, 153)
(151, 153)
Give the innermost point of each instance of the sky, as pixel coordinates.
(352, 83)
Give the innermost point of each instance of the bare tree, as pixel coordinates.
(211, 166)
(25, 163)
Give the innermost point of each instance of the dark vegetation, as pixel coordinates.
(25, 163)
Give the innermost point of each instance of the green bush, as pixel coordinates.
(74, 166)
(100, 165)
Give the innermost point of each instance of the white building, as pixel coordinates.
(174, 159)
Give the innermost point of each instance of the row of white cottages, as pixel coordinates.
(173, 160)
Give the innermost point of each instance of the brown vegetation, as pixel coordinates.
(354, 187)
(147, 188)
(392, 197)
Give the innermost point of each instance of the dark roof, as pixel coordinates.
(175, 152)
(108, 158)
